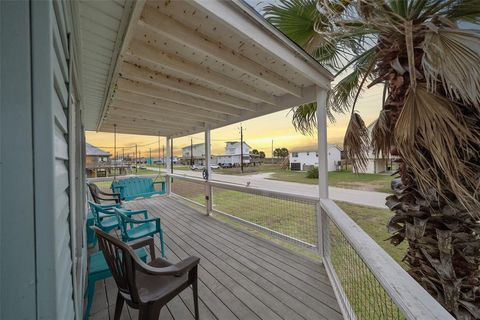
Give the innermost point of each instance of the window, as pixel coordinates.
(294, 154)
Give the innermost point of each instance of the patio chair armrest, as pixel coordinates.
(143, 242)
(134, 221)
(108, 193)
(177, 270)
(130, 213)
(110, 206)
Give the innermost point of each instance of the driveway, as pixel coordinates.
(261, 180)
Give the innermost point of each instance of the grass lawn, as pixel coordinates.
(298, 223)
(341, 179)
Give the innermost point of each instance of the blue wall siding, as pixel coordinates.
(17, 225)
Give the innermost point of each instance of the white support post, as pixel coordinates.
(322, 219)
(208, 186)
(169, 157)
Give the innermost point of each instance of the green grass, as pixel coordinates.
(341, 179)
(299, 223)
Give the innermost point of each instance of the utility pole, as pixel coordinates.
(191, 151)
(163, 155)
(272, 151)
(241, 148)
(136, 159)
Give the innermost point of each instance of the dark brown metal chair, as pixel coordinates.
(98, 195)
(146, 286)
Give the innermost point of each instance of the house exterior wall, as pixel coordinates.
(310, 158)
(41, 169)
(235, 148)
(198, 151)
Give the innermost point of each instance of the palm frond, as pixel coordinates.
(466, 10)
(304, 118)
(297, 19)
(381, 140)
(436, 142)
(356, 142)
(347, 90)
(452, 59)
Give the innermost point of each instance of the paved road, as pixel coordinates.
(261, 180)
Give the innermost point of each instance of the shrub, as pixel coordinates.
(312, 173)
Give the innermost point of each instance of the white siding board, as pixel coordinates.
(102, 19)
(95, 40)
(59, 48)
(101, 31)
(54, 253)
(59, 82)
(109, 8)
(59, 19)
(97, 51)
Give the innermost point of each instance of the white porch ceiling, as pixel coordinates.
(188, 65)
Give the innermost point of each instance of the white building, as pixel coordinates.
(304, 160)
(232, 154)
(198, 151)
(376, 163)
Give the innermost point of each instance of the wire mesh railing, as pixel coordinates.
(190, 189)
(281, 216)
(368, 300)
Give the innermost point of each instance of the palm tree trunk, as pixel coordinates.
(444, 239)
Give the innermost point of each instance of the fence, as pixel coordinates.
(367, 282)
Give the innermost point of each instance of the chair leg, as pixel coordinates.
(90, 292)
(195, 294)
(155, 311)
(118, 306)
(162, 244)
(144, 312)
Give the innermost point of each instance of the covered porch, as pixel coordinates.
(242, 276)
(187, 67)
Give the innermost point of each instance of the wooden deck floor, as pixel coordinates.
(240, 276)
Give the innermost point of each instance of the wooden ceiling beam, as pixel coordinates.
(175, 96)
(135, 108)
(172, 29)
(142, 51)
(159, 117)
(147, 76)
(142, 125)
(157, 103)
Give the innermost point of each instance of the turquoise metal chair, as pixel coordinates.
(98, 270)
(132, 229)
(103, 215)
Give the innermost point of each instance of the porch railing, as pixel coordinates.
(367, 282)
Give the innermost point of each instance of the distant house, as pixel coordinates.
(198, 151)
(232, 156)
(306, 159)
(376, 163)
(96, 161)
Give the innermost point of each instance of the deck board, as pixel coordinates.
(241, 276)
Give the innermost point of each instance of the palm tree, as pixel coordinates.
(430, 119)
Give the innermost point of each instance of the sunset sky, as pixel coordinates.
(258, 133)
